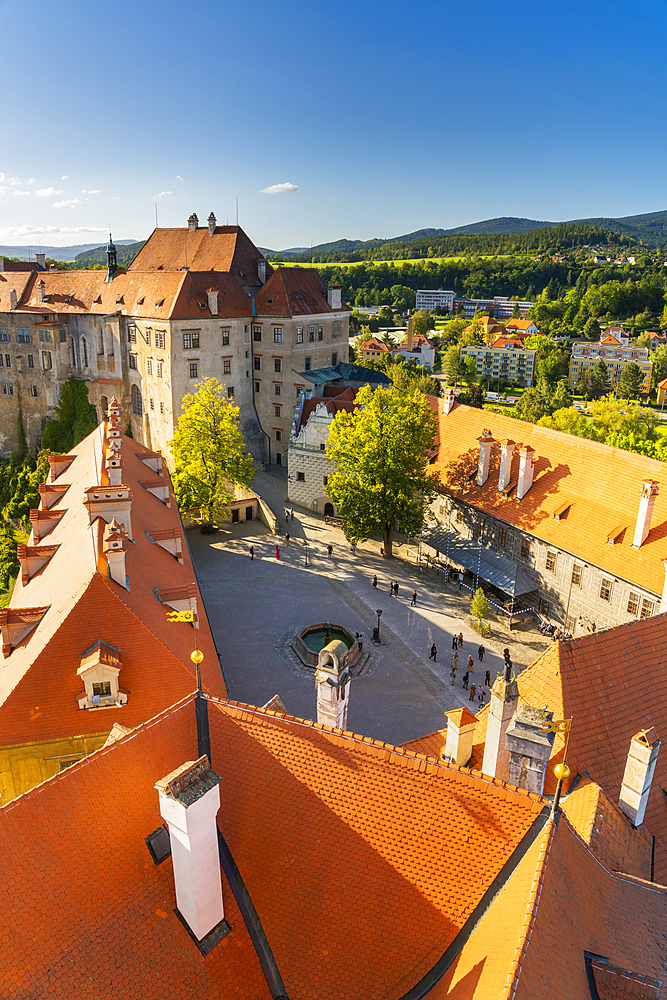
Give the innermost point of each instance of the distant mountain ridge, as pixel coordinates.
(56, 253)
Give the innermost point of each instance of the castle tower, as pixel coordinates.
(332, 680)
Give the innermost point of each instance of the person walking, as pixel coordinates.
(252, 552)
(375, 582)
(480, 695)
(487, 678)
(455, 659)
(460, 579)
(473, 692)
(286, 539)
(506, 655)
(330, 551)
(291, 513)
(395, 590)
(277, 552)
(471, 663)
(455, 641)
(453, 674)
(460, 640)
(434, 652)
(480, 653)
(466, 678)
(391, 587)
(413, 602)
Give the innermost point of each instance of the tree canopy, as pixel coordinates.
(380, 452)
(209, 451)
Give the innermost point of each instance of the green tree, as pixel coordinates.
(479, 607)
(659, 359)
(209, 451)
(386, 315)
(454, 366)
(592, 329)
(599, 380)
(562, 397)
(630, 381)
(552, 367)
(421, 323)
(535, 403)
(474, 397)
(381, 454)
(584, 383)
(76, 418)
(472, 335)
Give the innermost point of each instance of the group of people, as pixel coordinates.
(556, 632)
(393, 590)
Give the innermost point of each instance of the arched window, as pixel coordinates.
(137, 404)
(84, 345)
(73, 352)
(99, 335)
(108, 333)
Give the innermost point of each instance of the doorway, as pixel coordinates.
(328, 510)
(279, 459)
(248, 513)
(235, 517)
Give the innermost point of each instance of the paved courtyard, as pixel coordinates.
(252, 604)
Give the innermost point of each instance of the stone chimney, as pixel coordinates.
(506, 454)
(41, 261)
(114, 548)
(109, 503)
(410, 332)
(448, 400)
(261, 270)
(189, 802)
(529, 748)
(212, 301)
(525, 471)
(639, 768)
(649, 492)
(12, 298)
(504, 700)
(41, 290)
(332, 680)
(211, 224)
(193, 222)
(460, 731)
(485, 442)
(334, 296)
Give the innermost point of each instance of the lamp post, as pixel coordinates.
(379, 614)
(305, 548)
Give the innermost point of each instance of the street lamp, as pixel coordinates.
(379, 614)
(305, 544)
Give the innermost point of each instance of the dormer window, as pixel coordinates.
(99, 671)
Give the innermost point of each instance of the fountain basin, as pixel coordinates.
(313, 638)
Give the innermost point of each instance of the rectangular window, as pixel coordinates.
(311, 334)
(279, 435)
(322, 446)
(225, 338)
(576, 575)
(256, 333)
(150, 403)
(23, 337)
(551, 561)
(605, 589)
(193, 370)
(258, 364)
(502, 537)
(525, 548)
(256, 386)
(276, 411)
(633, 603)
(31, 361)
(299, 335)
(8, 361)
(33, 390)
(307, 364)
(46, 359)
(277, 335)
(149, 367)
(325, 480)
(159, 339)
(41, 336)
(103, 689)
(133, 361)
(3, 386)
(10, 388)
(543, 606)
(161, 407)
(230, 392)
(3, 334)
(301, 477)
(2, 363)
(277, 390)
(226, 366)
(647, 608)
(334, 359)
(132, 334)
(320, 333)
(277, 364)
(159, 369)
(190, 340)
(147, 337)
(298, 389)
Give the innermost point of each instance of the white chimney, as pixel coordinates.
(525, 471)
(261, 270)
(213, 302)
(649, 492)
(448, 400)
(110, 502)
(332, 680)
(504, 700)
(41, 261)
(193, 222)
(334, 296)
(485, 442)
(2, 264)
(211, 224)
(506, 454)
(12, 298)
(460, 732)
(114, 548)
(189, 802)
(639, 768)
(41, 290)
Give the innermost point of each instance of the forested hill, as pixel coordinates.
(98, 256)
(562, 237)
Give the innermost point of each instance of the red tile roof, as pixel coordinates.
(373, 344)
(294, 291)
(567, 469)
(228, 249)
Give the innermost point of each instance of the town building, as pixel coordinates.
(527, 512)
(661, 394)
(499, 306)
(417, 348)
(521, 328)
(372, 349)
(657, 340)
(431, 299)
(87, 640)
(616, 356)
(195, 302)
(506, 358)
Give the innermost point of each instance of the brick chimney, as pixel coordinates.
(525, 471)
(485, 442)
(334, 296)
(529, 748)
(332, 680)
(504, 700)
(114, 547)
(212, 301)
(193, 222)
(410, 332)
(506, 454)
(460, 731)
(649, 492)
(211, 224)
(639, 768)
(189, 802)
(448, 400)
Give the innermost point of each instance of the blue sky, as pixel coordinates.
(378, 118)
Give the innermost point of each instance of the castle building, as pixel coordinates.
(195, 302)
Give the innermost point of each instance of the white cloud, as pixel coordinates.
(14, 181)
(31, 180)
(71, 203)
(12, 232)
(178, 177)
(2, 177)
(279, 188)
(65, 177)
(162, 194)
(90, 192)
(44, 192)
(20, 194)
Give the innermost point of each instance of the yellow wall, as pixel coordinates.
(25, 765)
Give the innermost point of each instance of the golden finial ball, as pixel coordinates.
(196, 656)
(562, 771)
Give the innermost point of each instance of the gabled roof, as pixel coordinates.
(333, 405)
(567, 469)
(508, 342)
(228, 249)
(294, 291)
(373, 344)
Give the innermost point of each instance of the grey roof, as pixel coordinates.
(493, 568)
(344, 370)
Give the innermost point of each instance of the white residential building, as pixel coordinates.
(430, 299)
